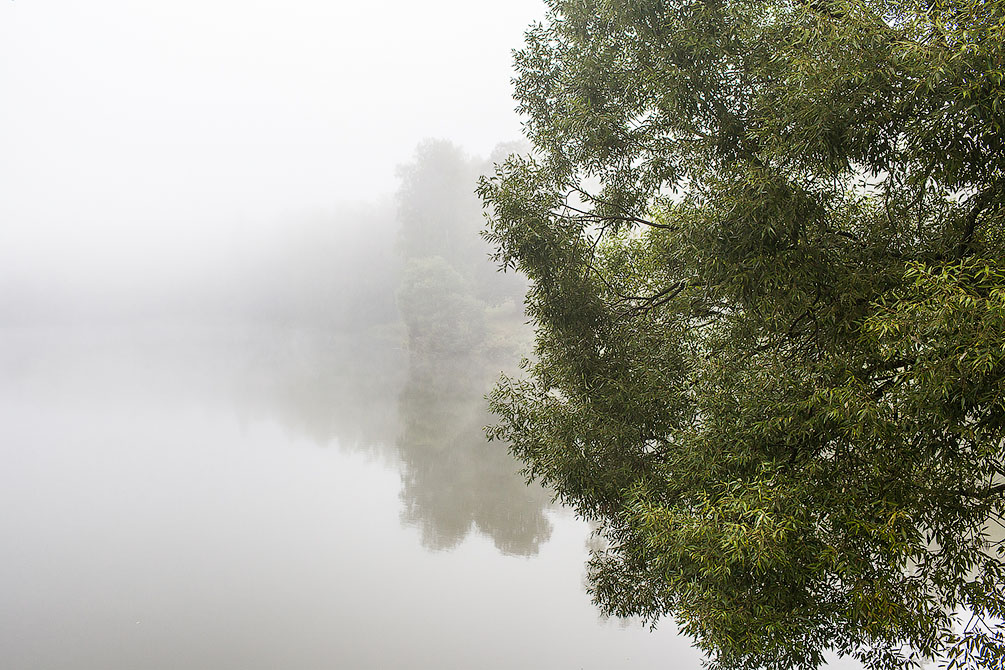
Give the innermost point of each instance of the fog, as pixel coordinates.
(246, 329)
(146, 144)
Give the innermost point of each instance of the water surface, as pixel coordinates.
(262, 497)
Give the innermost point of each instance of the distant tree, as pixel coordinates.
(440, 215)
(437, 208)
(440, 314)
(765, 240)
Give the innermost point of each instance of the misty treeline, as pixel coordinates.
(416, 260)
(338, 269)
(464, 322)
(378, 327)
(410, 318)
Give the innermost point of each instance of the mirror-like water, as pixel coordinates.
(266, 498)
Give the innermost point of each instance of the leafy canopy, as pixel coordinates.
(765, 240)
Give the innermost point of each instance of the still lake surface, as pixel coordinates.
(260, 497)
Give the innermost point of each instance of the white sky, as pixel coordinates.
(131, 126)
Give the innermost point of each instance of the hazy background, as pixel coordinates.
(246, 327)
(148, 146)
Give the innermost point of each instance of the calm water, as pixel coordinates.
(277, 498)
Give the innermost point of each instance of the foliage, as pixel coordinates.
(440, 314)
(765, 241)
(440, 216)
(454, 306)
(436, 208)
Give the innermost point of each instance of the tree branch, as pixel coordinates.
(656, 300)
(993, 491)
(615, 217)
(983, 202)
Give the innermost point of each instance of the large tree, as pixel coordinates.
(765, 240)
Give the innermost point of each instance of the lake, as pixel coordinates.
(193, 496)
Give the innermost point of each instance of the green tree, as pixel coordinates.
(765, 245)
(441, 316)
(436, 208)
(440, 216)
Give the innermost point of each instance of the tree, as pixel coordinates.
(441, 316)
(765, 245)
(453, 305)
(440, 217)
(436, 207)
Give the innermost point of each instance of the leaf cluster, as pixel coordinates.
(765, 245)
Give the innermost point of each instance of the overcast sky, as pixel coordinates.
(133, 129)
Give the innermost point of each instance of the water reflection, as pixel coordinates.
(422, 408)
(452, 480)
(254, 477)
(333, 388)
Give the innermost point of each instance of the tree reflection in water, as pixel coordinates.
(415, 389)
(424, 409)
(453, 481)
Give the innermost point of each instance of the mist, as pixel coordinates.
(247, 326)
(150, 147)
